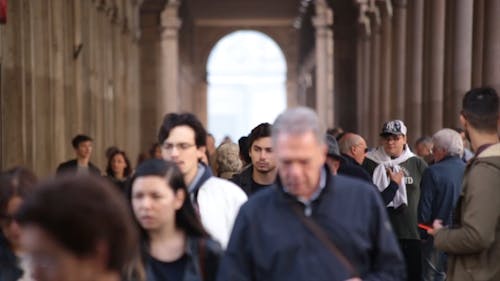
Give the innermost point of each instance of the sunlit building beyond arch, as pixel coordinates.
(246, 83)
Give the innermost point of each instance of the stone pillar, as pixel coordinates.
(374, 106)
(324, 62)
(385, 64)
(168, 101)
(399, 60)
(436, 78)
(478, 44)
(491, 61)
(462, 57)
(58, 67)
(12, 88)
(360, 62)
(366, 98)
(413, 116)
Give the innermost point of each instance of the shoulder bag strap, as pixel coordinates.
(320, 233)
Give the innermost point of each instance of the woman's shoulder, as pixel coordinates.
(205, 245)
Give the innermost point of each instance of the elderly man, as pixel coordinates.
(353, 148)
(440, 189)
(473, 242)
(311, 225)
(387, 164)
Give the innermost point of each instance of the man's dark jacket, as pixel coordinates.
(439, 190)
(71, 166)
(244, 180)
(269, 242)
(349, 167)
(9, 267)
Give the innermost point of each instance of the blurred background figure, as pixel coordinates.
(78, 228)
(155, 151)
(110, 151)
(336, 132)
(15, 185)
(468, 154)
(175, 245)
(423, 148)
(119, 169)
(82, 145)
(228, 160)
(244, 156)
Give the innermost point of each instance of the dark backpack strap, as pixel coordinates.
(202, 257)
(320, 233)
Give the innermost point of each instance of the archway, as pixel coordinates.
(246, 73)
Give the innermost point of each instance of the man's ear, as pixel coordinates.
(201, 151)
(463, 121)
(180, 196)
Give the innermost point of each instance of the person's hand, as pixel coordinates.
(396, 177)
(436, 226)
(354, 279)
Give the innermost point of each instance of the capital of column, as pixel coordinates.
(363, 18)
(385, 7)
(375, 16)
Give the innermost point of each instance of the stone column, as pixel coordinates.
(462, 57)
(168, 101)
(374, 106)
(478, 44)
(491, 62)
(399, 60)
(413, 116)
(385, 64)
(366, 98)
(360, 62)
(324, 62)
(436, 78)
(11, 104)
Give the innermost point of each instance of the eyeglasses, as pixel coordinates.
(392, 138)
(169, 147)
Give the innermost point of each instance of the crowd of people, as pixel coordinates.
(290, 201)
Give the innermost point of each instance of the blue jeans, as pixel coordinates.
(433, 262)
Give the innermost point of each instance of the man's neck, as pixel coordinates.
(479, 139)
(264, 178)
(82, 161)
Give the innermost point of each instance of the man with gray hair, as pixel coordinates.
(440, 188)
(311, 225)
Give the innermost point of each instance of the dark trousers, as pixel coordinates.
(413, 258)
(433, 262)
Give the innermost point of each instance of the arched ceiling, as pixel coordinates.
(232, 9)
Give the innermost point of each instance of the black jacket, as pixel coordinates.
(209, 256)
(269, 242)
(72, 165)
(349, 167)
(9, 268)
(244, 179)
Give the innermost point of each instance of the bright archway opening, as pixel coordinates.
(246, 84)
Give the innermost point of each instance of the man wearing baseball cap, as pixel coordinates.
(397, 172)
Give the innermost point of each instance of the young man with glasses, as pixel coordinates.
(397, 172)
(217, 201)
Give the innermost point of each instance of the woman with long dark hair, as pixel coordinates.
(175, 245)
(15, 185)
(119, 169)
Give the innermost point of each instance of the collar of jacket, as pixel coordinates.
(328, 187)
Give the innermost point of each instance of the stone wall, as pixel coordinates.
(68, 67)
